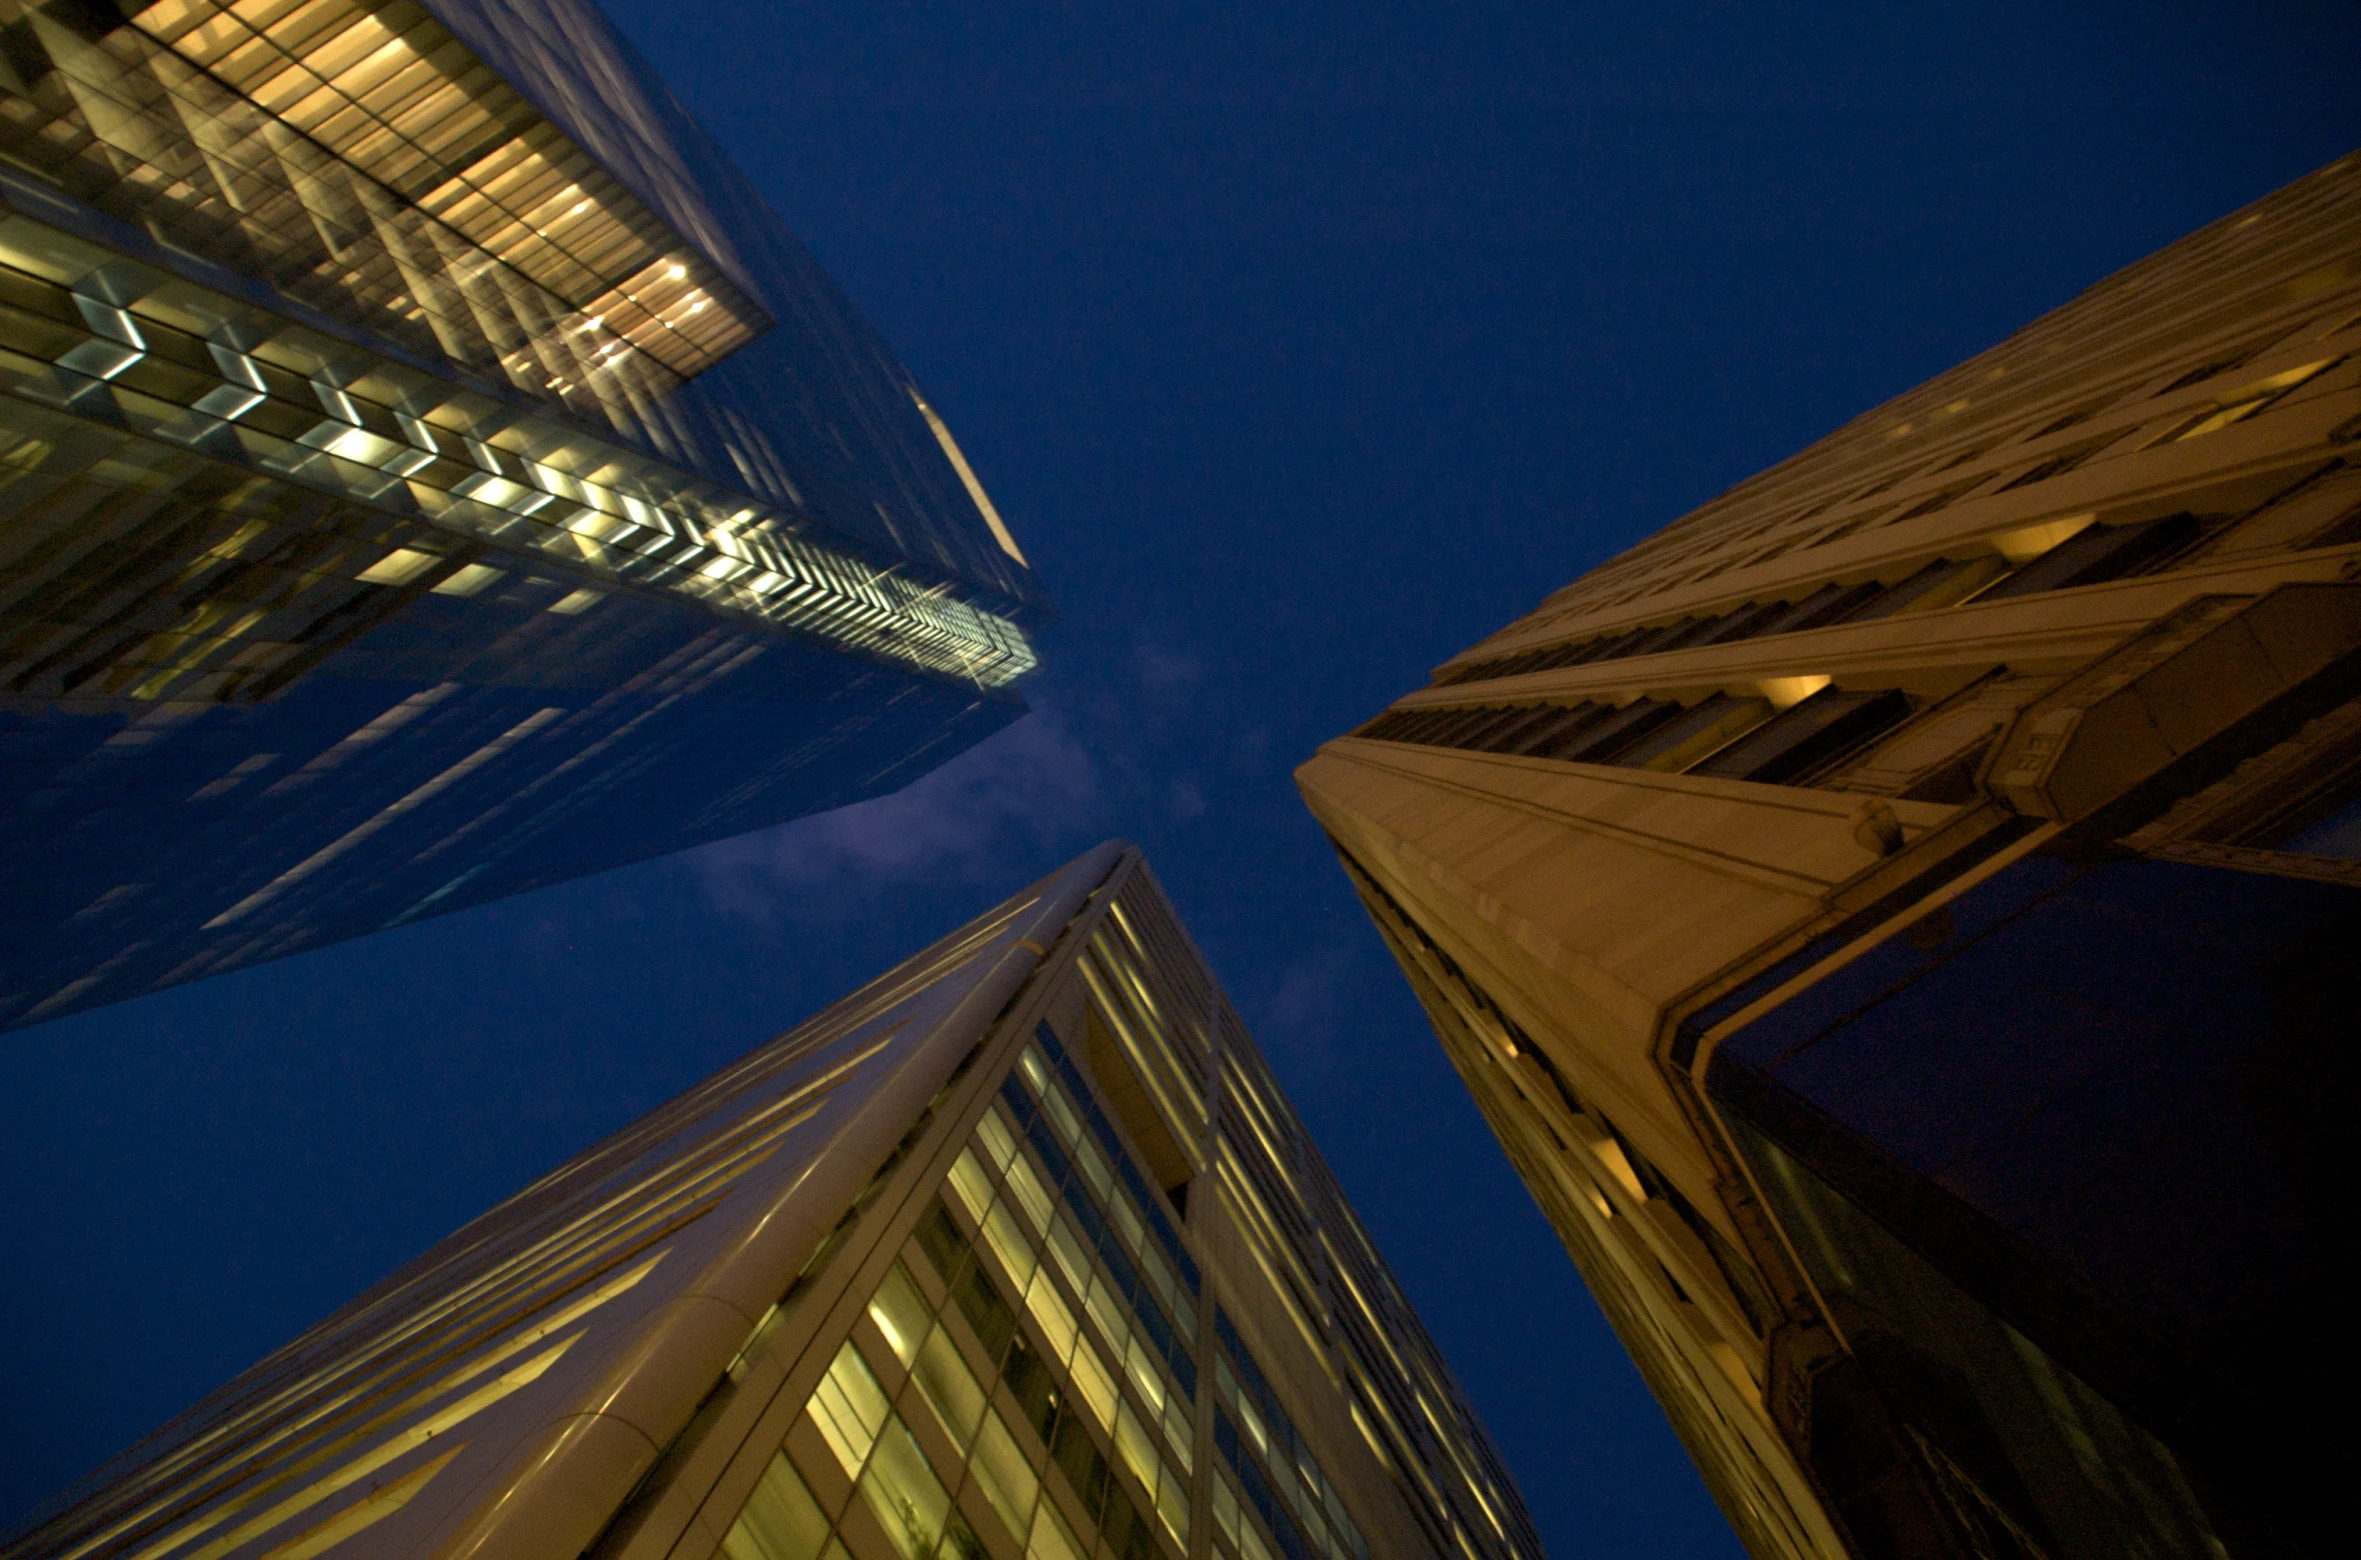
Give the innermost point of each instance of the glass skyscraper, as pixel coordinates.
(428, 471)
(1900, 921)
(1016, 1253)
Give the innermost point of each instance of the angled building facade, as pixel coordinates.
(1898, 920)
(1017, 1253)
(428, 471)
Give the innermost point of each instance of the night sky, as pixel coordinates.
(1301, 346)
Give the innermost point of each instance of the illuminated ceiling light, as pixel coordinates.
(469, 581)
(398, 567)
(1786, 691)
(2023, 546)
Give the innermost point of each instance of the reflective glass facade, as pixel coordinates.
(952, 1270)
(358, 362)
(2102, 1089)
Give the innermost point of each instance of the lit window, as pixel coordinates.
(470, 580)
(398, 567)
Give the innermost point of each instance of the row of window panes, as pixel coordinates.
(1109, 1218)
(1107, 1223)
(863, 1407)
(1266, 1124)
(1255, 1115)
(1149, 1205)
(167, 383)
(1046, 1399)
(1301, 1484)
(397, 267)
(2092, 555)
(2233, 406)
(1261, 1120)
(1727, 736)
(534, 200)
(1133, 1011)
(1238, 1531)
(1168, 964)
(866, 1428)
(1266, 1502)
(996, 1213)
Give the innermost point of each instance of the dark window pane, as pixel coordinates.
(1574, 654)
(1610, 647)
(1510, 734)
(960, 1541)
(2096, 553)
(1940, 583)
(1565, 727)
(1697, 731)
(1685, 633)
(1807, 735)
(1619, 730)
(1752, 619)
(1435, 726)
(940, 1239)
(1483, 736)
(1828, 604)
(1085, 1469)
(1033, 1386)
(1653, 640)
(980, 1302)
(2337, 835)
(1463, 723)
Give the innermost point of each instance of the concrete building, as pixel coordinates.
(1899, 920)
(428, 471)
(1016, 1253)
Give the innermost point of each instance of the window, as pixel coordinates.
(2336, 835)
(2243, 403)
(1808, 736)
(1701, 729)
(1941, 583)
(1828, 604)
(2293, 810)
(2100, 552)
(2060, 463)
(1561, 729)
(1618, 731)
(1733, 736)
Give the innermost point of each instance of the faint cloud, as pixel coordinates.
(1303, 1012)
(1250, 755)
(1188, 799)
(1163, 670)
(1169, 681)
(986, 816)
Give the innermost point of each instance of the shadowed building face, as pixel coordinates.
(1017, 1252)
(428, 471)
(1898, 921)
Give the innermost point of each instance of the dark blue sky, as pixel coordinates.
(1301, 346)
